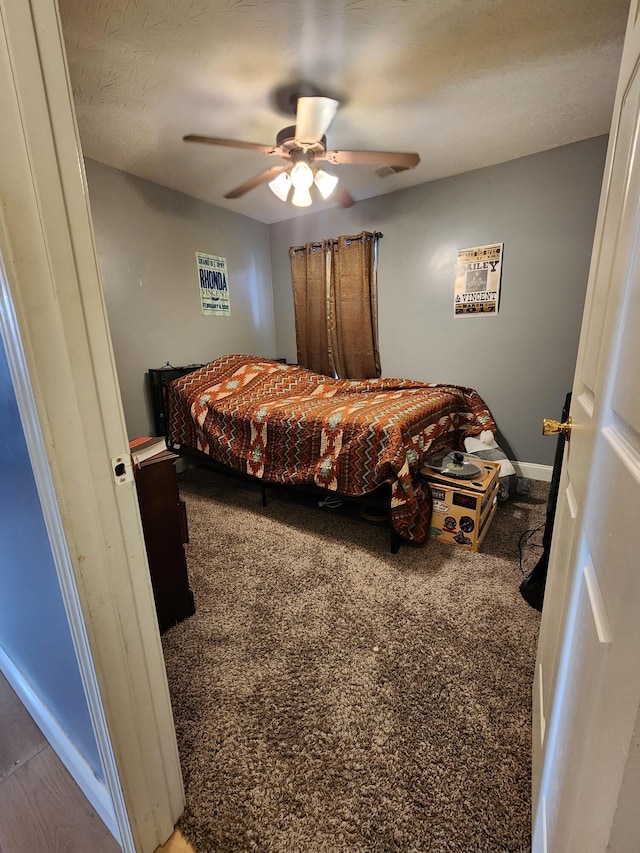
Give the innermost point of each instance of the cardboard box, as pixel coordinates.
(463, 509)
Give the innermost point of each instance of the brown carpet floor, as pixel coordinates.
(331, 696)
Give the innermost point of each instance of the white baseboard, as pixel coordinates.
(81, 771)
(533, 471)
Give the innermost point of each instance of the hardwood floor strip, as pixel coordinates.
(42, 808)
(20, 738)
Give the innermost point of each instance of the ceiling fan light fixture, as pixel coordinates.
(301, 197)
(301, 175)
(302, 180)
(281, 186)
(325, 182)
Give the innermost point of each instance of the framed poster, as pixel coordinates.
(214, 285)
(477, 286)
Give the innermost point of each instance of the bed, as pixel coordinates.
(284, 424)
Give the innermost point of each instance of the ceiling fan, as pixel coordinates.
(302, 146)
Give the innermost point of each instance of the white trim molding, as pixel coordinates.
(110, 806)
(534, 471)
(60, 318)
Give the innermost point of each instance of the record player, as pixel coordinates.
(459, 465)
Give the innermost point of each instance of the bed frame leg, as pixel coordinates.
(264, 495)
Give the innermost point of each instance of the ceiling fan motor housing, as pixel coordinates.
(286, 141)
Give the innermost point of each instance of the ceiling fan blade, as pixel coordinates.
(313, 117)
(262, 178)
(230, 143)
(372, 158)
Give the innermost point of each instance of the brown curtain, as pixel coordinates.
(335, 298)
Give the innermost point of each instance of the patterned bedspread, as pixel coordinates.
(287, 425)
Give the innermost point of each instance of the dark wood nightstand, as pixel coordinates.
(164, 523)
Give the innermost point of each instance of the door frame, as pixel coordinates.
(106, 798)
(62, 362)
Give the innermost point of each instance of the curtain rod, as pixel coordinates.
(334, 240)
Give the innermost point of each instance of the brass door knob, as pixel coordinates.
(551, 427)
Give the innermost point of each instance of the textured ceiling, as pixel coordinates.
(465, 83)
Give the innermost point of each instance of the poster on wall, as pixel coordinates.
(477, 287)
(214, 285)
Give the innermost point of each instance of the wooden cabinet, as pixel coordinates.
(463, 509)
(164, 522)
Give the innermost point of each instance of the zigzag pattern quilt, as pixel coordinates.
(285, 424)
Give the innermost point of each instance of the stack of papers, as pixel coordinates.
(147, 450)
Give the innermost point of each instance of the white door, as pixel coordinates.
(586, 698)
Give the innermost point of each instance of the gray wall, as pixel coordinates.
(542, 207)
(34, 631)
(522, 361)
(147, 237)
